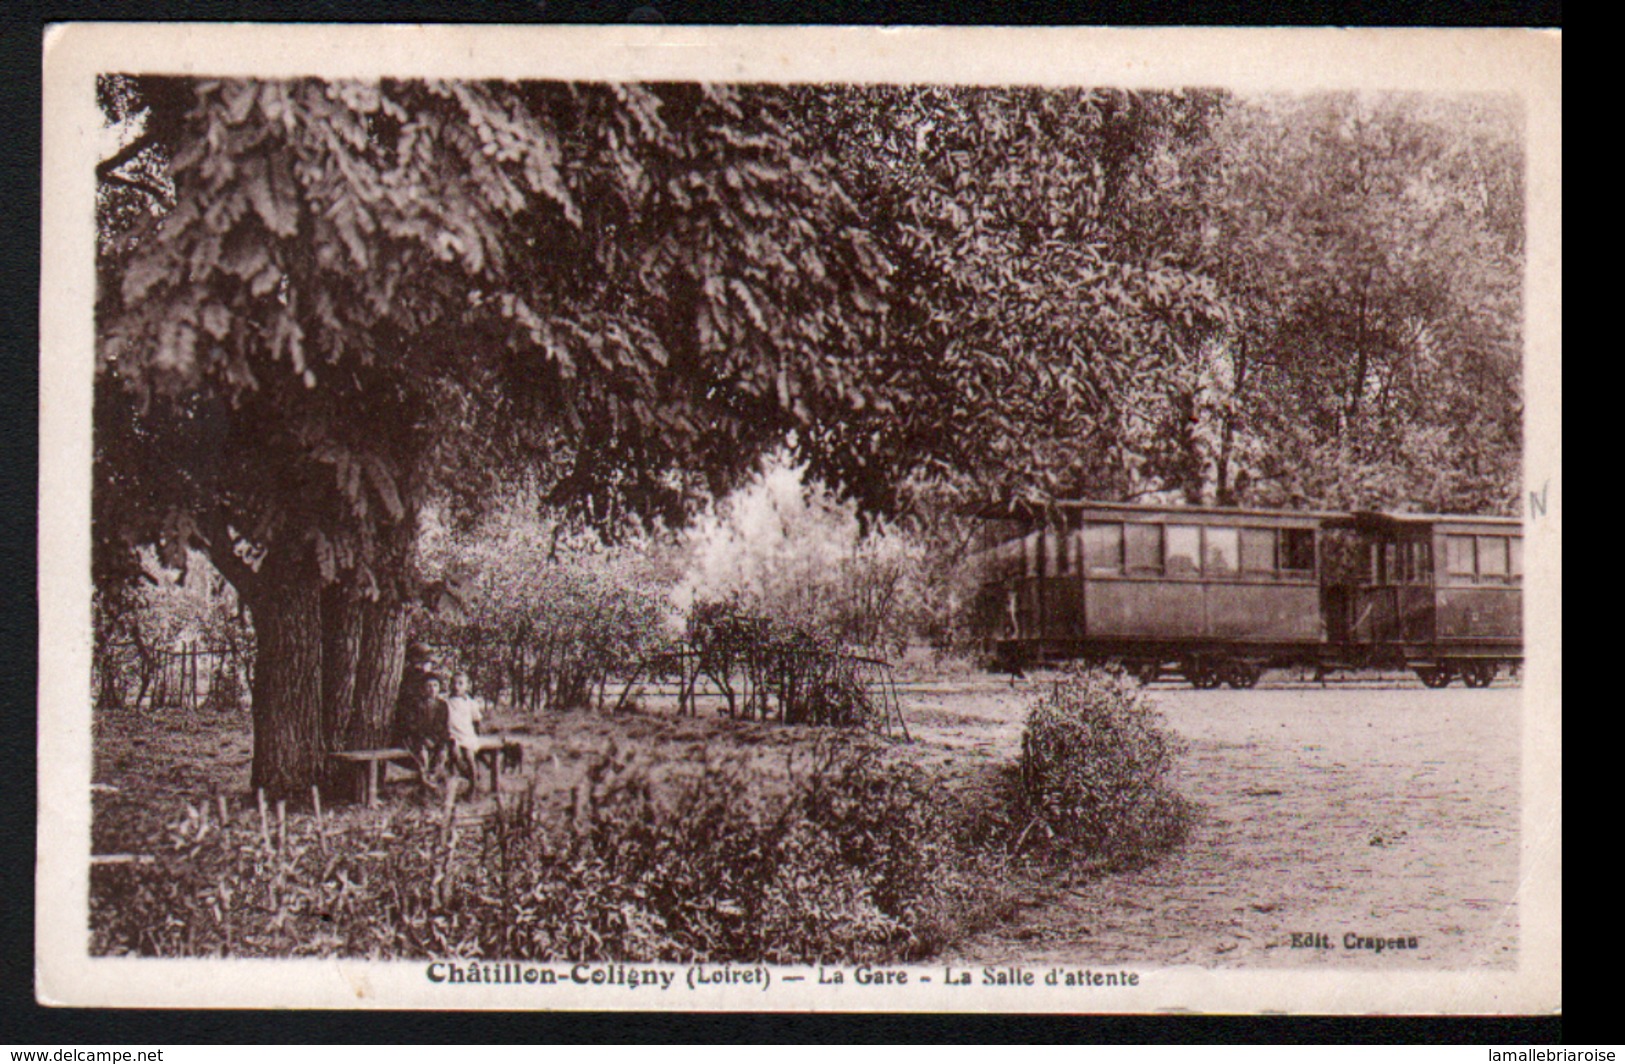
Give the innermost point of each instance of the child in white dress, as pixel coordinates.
(464, 713)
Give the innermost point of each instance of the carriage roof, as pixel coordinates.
(1152, 513)
(1379, 521)
(1157, 513)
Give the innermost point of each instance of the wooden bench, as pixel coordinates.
(373, 759)
(490, 753)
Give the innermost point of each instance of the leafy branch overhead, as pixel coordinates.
(404, 289)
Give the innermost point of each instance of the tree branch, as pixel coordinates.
(105, 168)
(140, 186)
(219, 544)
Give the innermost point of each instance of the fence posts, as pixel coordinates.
(185, 675)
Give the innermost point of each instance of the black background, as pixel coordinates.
(24, 1022)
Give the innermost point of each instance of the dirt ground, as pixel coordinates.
(1382, 812)
(1378, 810)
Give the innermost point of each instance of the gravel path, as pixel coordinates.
(1384, 813)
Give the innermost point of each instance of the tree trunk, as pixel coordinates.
(1225, 494)
(1190, 448)
(289, 746)
(378, 673)
(1351, 411)
(364, 637)
(342, 637)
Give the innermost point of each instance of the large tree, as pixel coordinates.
(344, 300)
(1369, 252)
(1041, 291)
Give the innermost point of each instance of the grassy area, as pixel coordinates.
(633, 837)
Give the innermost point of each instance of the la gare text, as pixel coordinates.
(1010, 976)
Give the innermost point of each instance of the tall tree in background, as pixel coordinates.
(1369, 250)
(1043, 290)
(345, 300)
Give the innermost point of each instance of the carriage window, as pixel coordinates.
(1458, 556)
(1298, 550)
(1103, 548)
(1030, 556)
(1492, 557)
(1421, 562)
(1258, 550)
(1515, 555)
(1142, 548)
(1184, 550)
(1222, 548)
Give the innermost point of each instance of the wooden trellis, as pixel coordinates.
(792, 685)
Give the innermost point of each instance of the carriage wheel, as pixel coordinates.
(1147, 671)
(1241, 674)
(1201, 675)
(1478, 673)
(1435, 678)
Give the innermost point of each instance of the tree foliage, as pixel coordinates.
(1309, 300)
(1369, 250)
(366, 295)
(548, 614)
(1039, 296)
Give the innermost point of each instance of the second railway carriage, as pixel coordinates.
(1222, 593)
(1439, 594)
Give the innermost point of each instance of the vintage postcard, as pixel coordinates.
(800, 519)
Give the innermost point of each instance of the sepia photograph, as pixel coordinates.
(800, 519)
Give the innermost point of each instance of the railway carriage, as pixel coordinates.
(1220, 594)
(1439, 594)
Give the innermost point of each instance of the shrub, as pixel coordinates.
(770, 669)
(852, 862)
(1095, 765)
(793, 553)
(547, 617)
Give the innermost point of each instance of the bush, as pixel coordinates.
(789, 551)
(546, 618)
(1095, 762)
(852, 862)
(770, 669)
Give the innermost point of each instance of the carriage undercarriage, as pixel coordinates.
(1206, 665)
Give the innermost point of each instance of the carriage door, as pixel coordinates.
(1376, 601)
(1343, 564)
(1027, 604)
